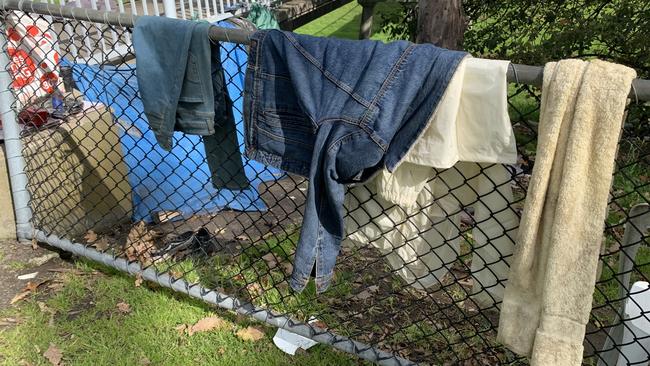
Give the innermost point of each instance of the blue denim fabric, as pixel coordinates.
(173, 63)
(336, 111)
(182, 86)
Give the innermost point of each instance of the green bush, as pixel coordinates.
(535, 32)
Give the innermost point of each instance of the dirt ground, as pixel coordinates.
(18, 259)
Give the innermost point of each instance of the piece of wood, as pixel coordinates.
(365, 26)
(441, 22)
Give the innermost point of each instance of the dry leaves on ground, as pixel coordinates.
(140, 243)
(204, 325)
(30, 288)
(123, 307)
(138, 280)
(90, 237)
(102, 244)
(270, 260)
(287, 267)
(367, 293)
(250, 334)
(54, 355)
(254, 289)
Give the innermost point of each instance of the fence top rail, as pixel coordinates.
(521, 74)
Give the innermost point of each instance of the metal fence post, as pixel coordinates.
(14, 148)
(170, 8)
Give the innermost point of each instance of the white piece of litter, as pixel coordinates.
(28, 276)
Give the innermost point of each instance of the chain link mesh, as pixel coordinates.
(81, 189)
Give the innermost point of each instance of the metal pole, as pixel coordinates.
(170, 8)
(13, 147)
(320, 335)
(521, 74)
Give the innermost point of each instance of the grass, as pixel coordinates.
(344, 22)
(89, 330)
(18, 265)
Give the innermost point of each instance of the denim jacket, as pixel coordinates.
(336, 111)
(182, 86)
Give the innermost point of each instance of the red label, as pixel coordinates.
(22, 67)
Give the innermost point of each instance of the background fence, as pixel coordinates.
(421, 286)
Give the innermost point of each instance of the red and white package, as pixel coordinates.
(32, 50)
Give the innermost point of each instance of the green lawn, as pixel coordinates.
(84, 322)
(344, 22)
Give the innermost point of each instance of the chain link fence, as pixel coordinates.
(413, 286)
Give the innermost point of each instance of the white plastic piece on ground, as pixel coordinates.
(636, 338)
(290, 342)
(27, 276)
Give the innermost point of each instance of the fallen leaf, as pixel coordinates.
(145, 362)
(31, 286)
(318, 324)
(138, 280)
(254, 289)
(39, 261)
(140, 243)
(250, 334)
(207, 324)
(363, 295)
(242, 238)
(28, 289)
(181, 328)
(123, 307)
(164, 216)
(467, 281)
(373, 288)
(54, 355)
(287, 267)
(221, 350)
(90, 237)
(101, 244)
(270, 260)
(34, 244)
(24, 363)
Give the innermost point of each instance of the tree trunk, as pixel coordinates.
(441, 22)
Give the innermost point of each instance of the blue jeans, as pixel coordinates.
(336, 111)
(183, 88)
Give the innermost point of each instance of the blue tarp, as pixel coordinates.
(178, 180)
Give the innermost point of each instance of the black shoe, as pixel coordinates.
(188, 241)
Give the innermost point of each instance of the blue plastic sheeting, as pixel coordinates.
(178, 180)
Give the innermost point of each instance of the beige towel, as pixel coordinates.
(551, 282)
